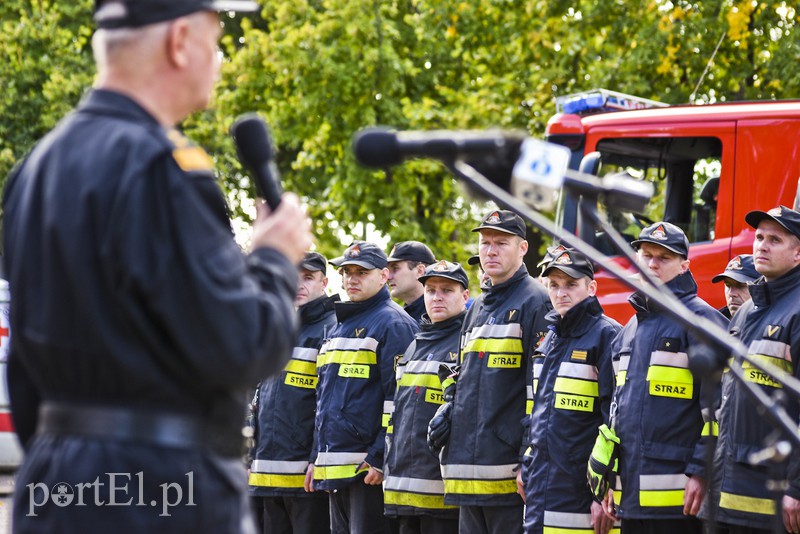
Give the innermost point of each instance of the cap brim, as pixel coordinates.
(497, 229)
(569, 271)
(754, 218)
(422, 279)
(241, 6)
(364, 264)
(336, 262)
(638, 242)
(739, 277)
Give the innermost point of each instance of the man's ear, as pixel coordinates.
(177, 43)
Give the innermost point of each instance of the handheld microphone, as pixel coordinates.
(254, 146)
(382, 147)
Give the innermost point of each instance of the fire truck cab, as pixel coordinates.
(710, 165)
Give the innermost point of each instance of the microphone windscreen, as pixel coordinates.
(251, 135)
(377, 147)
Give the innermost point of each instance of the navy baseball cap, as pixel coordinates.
(364, 254)
(550, 255)
(572, 263)
(740, 269)
(314, 261)
(786, 217)
(665, 234)
(503, 221)
(445, 269)
(109, 14)
(411, 251)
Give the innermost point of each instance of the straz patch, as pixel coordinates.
(574, 402)
(300, 381)
(433, 396)
(512, 316)
(757, 376)
(772, 332)
(675, 390)
(504, 361)
(352, 370)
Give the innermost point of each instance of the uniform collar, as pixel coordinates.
(315, 310)
(683, 287)
(429, 330)
(578, 319)
(106, 102)
(764, 293)
(346, 310)
(499, 291)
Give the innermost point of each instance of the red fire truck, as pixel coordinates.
(710, 165)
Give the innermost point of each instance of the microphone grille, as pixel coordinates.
(253, 141)
(377, 147)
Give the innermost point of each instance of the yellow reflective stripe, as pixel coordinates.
(621, 376)
(422, 380)
(574, 402)
(660, 373)
(508, 345)
(743, 503)
(300, 381)
(480, 487)
(528, 407)
(334, 472)
(447, 382)
(385, 418)
(504, 361)
(364, 357)
(301, 367)
(710, 428)
(419, 500)
(276, 481)
(784, 365)
(661, 498)
(579, 387)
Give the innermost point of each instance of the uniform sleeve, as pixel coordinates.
(214, 316)
(531, 339)
(710, 392)
(606, 380)
(793, 467)
(396, 339)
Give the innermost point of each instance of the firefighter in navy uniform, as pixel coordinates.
(484, 447)
(413, 488)
(739, 272)
(769, 326)
(283, 417)
(572, 399)
(356, 387)
(138, 322)
(663, 430)
(407, 262)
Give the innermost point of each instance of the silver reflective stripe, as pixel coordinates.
(478, 472)
(768, 347)
(388, 406)
(271, 466)
(537, 370)
(340, 458)
(305, 354)
(529, 392)
(567, 520)
(416, 485)
(672, 359)
(624, 361)
(618, 487)
(423, 367)
(350, 343)
(662, 482)
(500, 331)
(578, 370)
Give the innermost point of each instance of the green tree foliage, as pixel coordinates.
(320, 70)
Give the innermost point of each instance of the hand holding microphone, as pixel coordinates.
(285, 227)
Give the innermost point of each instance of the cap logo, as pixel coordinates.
(775, 212)
(559, 249)
(659, 233)
(111, 10)
(494, 218)
(354, 252)
(394, 248)
(735, 264)
(441, 266)
(564, 259)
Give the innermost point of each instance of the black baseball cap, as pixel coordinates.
(740, 269)
(665, 234)
(445, 269)
(572, 263)
(364, 254)
(109, 14)
(411, 251)
(474, 260)
(786, 217)
(503, 221)
(314, 261)
(550, 255)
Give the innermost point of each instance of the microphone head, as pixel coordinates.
(377, 147)
(253, 142)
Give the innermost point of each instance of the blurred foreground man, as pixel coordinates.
(769, 325)
(138, 323)
(355, 392)
(413, 490)
(663, 432)
(573, 385)
(283, 422)
(485, 423)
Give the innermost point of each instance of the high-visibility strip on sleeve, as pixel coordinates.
(266, 480)
(585, 388)
(301, 367)
(743, 503)
(710, 428)
(423, 380)
(503, 346)
(361, 357)
(662, 490)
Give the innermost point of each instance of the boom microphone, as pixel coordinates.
(254, 145)
(382, 147)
